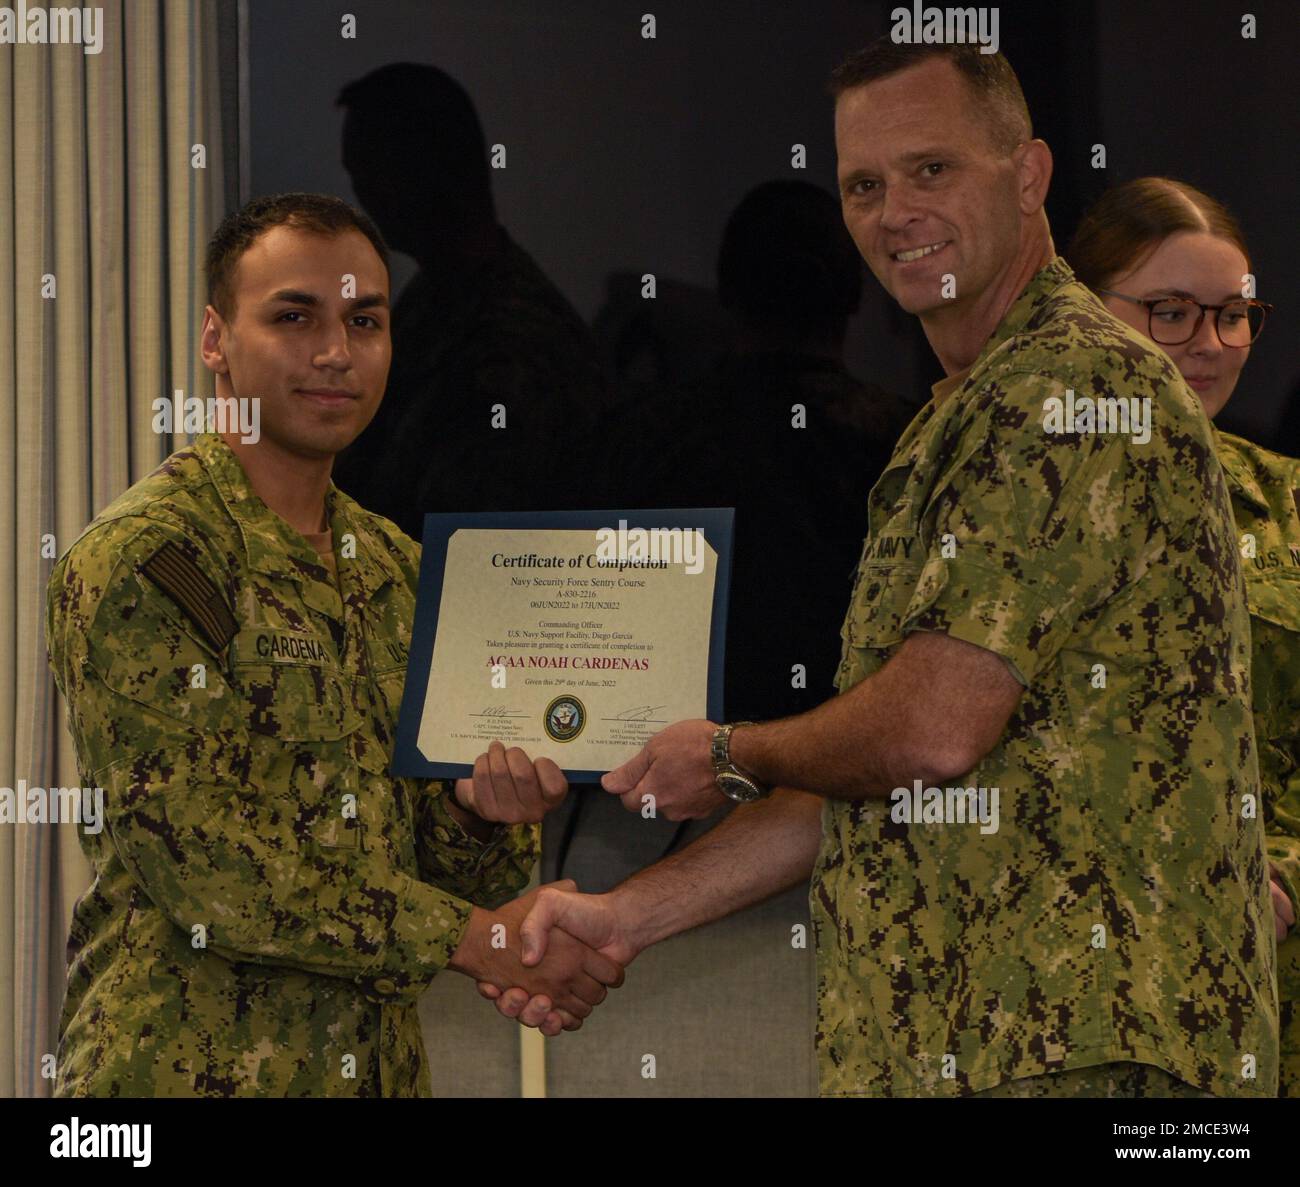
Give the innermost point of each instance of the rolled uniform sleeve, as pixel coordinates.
(224, 851)
(1023, 535)
(487, 873)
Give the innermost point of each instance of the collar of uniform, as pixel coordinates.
(950, 383)
(1045, 282)
(373, 566)
(272, 546)
(1036, 294)
(1241, 477)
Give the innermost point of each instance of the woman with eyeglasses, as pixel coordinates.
(1172, 262)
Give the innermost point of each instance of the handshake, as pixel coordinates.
(551, 956)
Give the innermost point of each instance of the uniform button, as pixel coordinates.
(385, 986)
(247, 793)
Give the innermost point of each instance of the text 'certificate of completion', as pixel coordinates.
(575, 635)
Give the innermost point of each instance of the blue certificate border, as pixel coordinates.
(716, 523)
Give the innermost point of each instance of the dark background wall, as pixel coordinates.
(626, 155)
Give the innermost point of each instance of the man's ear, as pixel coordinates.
(1034, 176)
(212, 342)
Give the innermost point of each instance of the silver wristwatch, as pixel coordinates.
(731, 780)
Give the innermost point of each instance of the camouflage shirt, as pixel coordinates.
(1265, 490)
(268, 903)
(1120, 909)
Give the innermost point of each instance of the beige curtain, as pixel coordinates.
(101, 205)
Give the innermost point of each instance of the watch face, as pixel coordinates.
(738, 788)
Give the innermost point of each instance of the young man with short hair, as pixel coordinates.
(231, 635)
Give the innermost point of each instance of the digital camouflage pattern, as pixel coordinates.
(252, 802)
(1121, 911)
(1265, 491)
(1102, 1081)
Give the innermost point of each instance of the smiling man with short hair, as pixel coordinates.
(230, 635)
(1055, 619)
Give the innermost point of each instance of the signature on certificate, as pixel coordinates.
(638, 713)
(499, 711)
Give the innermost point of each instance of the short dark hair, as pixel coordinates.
(321, 213)
(988, 76)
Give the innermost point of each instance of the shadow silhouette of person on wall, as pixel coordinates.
(495, 380)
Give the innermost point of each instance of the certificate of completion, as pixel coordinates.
(575, 635)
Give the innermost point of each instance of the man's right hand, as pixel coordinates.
(559, 913)
(565, 983)
(595, 919)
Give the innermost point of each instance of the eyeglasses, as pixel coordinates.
(1172, 320)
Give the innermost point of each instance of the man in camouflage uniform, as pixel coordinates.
(231, 635)
(1054, 617)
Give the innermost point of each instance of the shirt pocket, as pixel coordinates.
(879, 607)
(890, 563)
(1275, 597)
(296, 702)
(304, 731)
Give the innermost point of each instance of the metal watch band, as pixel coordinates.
(727, 773)
(720, 748)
